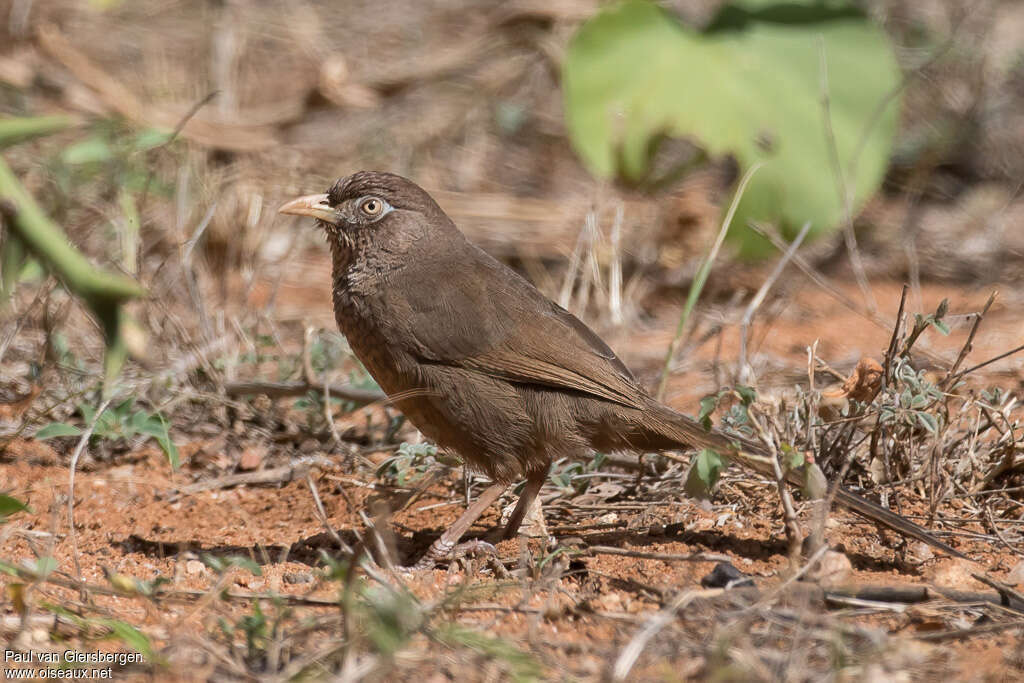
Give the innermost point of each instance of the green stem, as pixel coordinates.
(702, 276)
(21, 128)
(47, 242)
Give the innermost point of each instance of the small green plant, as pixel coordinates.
(29, 233)
(708, 464)
(118, 422)
(221, 564)
(908, 404)
(409, 463)
(30, 570)
(10, 506)
(567, 475)
(110, 629)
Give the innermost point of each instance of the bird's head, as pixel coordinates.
(371, 209)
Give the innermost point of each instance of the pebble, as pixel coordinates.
(298, 577)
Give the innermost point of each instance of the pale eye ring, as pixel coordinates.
(371, 207)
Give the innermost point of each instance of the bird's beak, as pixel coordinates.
(314, 205)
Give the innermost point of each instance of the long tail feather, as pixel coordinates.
(752, 455)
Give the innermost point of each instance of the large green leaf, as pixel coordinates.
(751, 86)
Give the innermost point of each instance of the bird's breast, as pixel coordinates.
(362, 318)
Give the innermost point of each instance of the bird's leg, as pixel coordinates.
(534, 481)
(442, 548)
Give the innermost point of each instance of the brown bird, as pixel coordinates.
(483, 363)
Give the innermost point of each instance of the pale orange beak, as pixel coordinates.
(314, 205)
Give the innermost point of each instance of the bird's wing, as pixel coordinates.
(483, 316)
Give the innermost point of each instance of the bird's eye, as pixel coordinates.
(371, 207)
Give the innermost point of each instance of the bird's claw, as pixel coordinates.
(440, 551)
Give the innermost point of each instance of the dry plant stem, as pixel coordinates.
(1008, 593)
(194, 290)
(845, 191)
(959, 634)
(790, 580)
(565, 296)
(879, 431)
(999, 534)
(385, 552)
(278, 389)
(276, 475)
(310, 376)
(41, 295)
(321, 515)
(789, 513)
(167, 143)
(698, 281)
(894, 340)
(748, 315)
(615, 269)
(823, 282)
(658, 621)
(82, 442)
(1016, 349)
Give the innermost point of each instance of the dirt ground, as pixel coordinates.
(131, 520)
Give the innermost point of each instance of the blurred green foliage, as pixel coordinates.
(29, 232)
(122, 421)
(808, 87)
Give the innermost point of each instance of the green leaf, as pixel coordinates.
(707, 407)
(129, 635)
(139, 421)
(750, 86)
(87, 412)
(92, 150)
(55, 429)
(9, 506)
(929, 422)
(38, 569)
(747, 394)
(793, 458)
(157, 427)
(704, 474)
(222, 564)
(150, 138)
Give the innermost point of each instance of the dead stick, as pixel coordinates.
(280, 389)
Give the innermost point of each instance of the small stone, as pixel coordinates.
(922, 551)
(954, 572)
(309, 446)
(194, 567)
(251, 458)
(298, 577)
(832, 569)
(533, 521)
(724, 575)
(1016, 575)
(610, 518)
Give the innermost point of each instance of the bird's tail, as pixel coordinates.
(685, 431)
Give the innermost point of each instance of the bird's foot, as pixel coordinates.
(441, 550)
